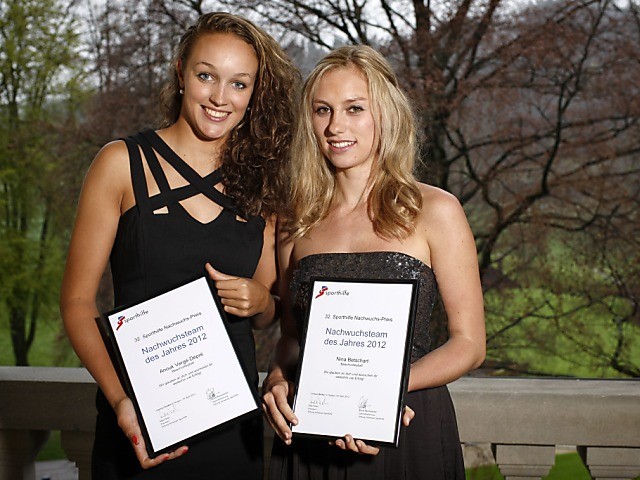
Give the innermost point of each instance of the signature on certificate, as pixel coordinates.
(166, 412)
(362, 404)
(318, 401)
(211, 394)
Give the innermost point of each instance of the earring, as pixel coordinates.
(181, 91)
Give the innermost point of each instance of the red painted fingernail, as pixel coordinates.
(134, 439)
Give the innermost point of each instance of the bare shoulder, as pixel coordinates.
(285, 241)
(109, 171)
(443, 224)
(271, 224)
(112, 160)
(108, 180)
(439, 207)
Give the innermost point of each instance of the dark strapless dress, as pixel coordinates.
(430, 447)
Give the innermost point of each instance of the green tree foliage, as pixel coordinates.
(38, 52)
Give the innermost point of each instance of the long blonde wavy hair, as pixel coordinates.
(394, 199)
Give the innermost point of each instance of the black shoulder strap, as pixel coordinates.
(138, 180)
(187, 172)
(157, 172)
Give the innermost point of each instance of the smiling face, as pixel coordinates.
(343, 121)
(218, 79)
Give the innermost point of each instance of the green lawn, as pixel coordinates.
(561, 337)
(568, 466)
(52, 450)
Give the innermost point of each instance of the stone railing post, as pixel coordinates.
(524, 462)
(611, 463)
(43, 398)
(525, 418)
(18, 451)
(77, 446)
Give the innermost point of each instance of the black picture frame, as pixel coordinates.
(317, 281)
(122, 367)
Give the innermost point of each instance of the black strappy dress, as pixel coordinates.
(153, 252)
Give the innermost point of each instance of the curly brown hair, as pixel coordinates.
(257, 151)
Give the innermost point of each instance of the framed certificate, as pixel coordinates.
(354, 364)
(178, 364)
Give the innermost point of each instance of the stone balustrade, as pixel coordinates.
(521, 419)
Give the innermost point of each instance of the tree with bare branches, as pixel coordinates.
(531, 120)
(529, 117)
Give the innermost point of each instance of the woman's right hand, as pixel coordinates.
(275, 403)
(128, 422)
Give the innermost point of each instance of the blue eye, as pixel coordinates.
(205, 76)
(239, 85)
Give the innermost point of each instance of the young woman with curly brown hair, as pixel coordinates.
(161, 205)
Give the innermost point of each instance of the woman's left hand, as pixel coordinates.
(240, 296)
(358, 446)
(408, 415)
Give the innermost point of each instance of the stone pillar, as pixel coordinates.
(77, 446)
(477, 455)
(524, 462)
(611, 463)
(18, 451)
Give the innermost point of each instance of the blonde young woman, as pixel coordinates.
(163, 205)
(357, 211)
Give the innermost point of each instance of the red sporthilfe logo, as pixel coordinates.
(120, 322)
(321, 292)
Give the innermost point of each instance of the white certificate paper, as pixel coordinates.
(355, 356)
(179, 364)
